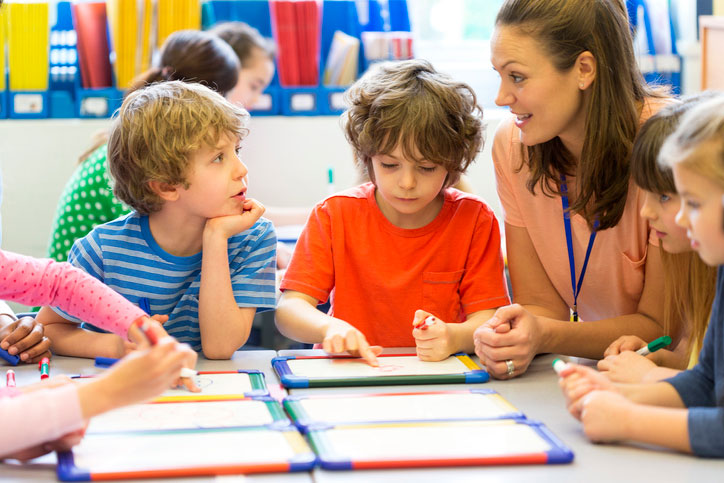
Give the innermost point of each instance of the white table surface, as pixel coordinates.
(538, 396)
(43, 469)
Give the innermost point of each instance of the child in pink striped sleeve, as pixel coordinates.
(51, 415)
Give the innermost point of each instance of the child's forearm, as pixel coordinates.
(660, 426)
(658, 394)
(70, 340)
(462, 333)
(297, 317)
(224, 326)
(670, 359)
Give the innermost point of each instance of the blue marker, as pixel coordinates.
(144, 305)
(104, 361)
(9, 357)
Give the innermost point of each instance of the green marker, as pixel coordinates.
(559, 365)
(654, 345)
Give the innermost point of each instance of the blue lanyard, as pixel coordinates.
(569, 242)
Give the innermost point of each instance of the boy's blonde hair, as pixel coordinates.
(431, 116)
(701, 125)
(156, 130)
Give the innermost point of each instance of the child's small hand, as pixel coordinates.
(624, 343)
(577, 381)
(342, 337)
(154, 325)
(25, 337)
(626, 367)
(64, 443)
(284, 255)
(432, 338)
(604, 416)
(228, 226)
(144, 374)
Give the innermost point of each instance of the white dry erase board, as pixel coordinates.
(185, 453)
(503, 441)
(311, 371)
(187, 415)
(220, 385)
(399, 407)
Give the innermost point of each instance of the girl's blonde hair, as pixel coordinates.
(565, 29)
(703, 124)
(689, 284)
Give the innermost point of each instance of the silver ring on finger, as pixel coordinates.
(511, 367)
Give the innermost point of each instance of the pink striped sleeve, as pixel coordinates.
(38, 417)
(33, 281)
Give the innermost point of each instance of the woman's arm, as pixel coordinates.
(540, 322)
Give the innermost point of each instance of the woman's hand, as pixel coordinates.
(512, 334)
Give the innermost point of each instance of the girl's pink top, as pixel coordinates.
(30, 419)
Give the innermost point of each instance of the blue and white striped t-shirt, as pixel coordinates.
(123, 255)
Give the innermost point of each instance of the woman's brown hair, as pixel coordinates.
(565, 29)
(689, 284)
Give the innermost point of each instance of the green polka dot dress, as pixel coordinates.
(87, 201)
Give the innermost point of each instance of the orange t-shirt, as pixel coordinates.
(614, 278)
(378, 274)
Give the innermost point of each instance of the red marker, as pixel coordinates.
(10, 378)
(142, 324)
(424, 324)
(44, 366)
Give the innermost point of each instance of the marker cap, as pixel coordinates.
(659, 343)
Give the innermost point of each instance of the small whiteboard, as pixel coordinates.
(169, 454)
(457, 443)
(220, 385)
(188, 415)
(475, 404)
(325, 371)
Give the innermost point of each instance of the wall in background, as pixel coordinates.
(287, 157)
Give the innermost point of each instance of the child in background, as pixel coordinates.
(256, 56)
(405, 246)
(626, 411)
(51, 415)
(194, 248)
(87, 199)
(689, 284)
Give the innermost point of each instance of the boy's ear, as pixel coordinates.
(164, 191)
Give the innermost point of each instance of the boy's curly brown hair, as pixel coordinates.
(410, 104)
(157, 129)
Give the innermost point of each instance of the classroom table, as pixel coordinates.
(43, 469)
(536, 393)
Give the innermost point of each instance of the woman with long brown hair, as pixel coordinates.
(576, 245)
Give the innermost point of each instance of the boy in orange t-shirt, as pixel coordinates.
(391, 253)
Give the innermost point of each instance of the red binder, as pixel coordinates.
(91, 25)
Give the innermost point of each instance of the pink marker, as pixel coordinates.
(10, 378)
(426, 323)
